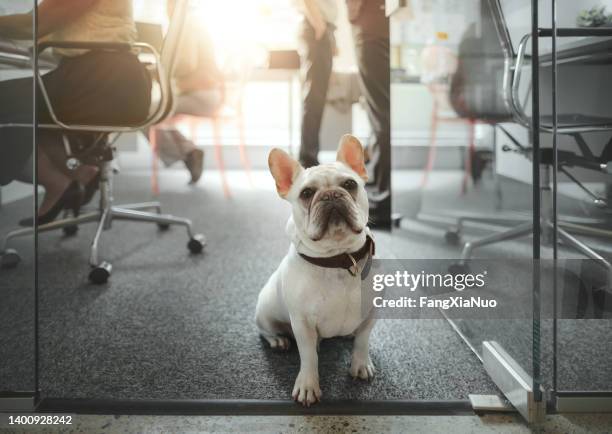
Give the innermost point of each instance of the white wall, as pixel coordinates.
(518, 17)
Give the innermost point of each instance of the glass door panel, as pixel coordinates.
(463, 173)
(581, 243)
(18, 380)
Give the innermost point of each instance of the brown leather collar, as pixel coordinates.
(344, 260)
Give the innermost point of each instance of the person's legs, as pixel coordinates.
(51, 143)
(203, 103)
(53, 174)
(374, 73)
(53, 180)
(173, 146)
(317, 59)
(16, 144)
(106, 88)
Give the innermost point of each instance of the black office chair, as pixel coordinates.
(102, 152)
(477, 94)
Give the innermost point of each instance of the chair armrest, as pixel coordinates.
(521, 55)
(153, 118)
(113, 46)
(517, 70)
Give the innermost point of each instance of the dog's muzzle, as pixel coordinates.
(334, 207)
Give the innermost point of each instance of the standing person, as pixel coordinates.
(371, 38)
(317, 49)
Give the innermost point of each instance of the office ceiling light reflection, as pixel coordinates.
(249, 27)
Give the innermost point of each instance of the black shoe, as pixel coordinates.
(308, 163)
(380, 210)
(89, 189)
(195, 164)
(70, 199)
(380, 215)
(380, 223)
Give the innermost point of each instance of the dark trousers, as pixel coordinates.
(372, 52)
(316, 59)
(104, 88)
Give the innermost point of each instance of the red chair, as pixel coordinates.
(439, 92)
(438, 64)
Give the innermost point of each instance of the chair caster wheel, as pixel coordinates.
(10, 258)
(163, 226)
(70, 231)
(458, 268)
(100, 273)
(452, 237)
(196, 244)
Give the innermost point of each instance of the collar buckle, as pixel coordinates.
(353, 269)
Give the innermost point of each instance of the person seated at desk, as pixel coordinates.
(87, 87)
(199, 86)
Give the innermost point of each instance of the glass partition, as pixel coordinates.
(463, 169)
(576, 67)
(509, 170)
(18, 379)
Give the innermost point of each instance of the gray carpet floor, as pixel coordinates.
(172, 325)
(584, 345)
(17, 307)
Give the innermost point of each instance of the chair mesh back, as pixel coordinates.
(477, 85)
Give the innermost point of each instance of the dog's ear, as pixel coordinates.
(284, 169)
(350, 152)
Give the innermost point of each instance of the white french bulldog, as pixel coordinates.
(316, 291)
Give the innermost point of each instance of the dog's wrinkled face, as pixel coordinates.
(329, 201)
(327, 204)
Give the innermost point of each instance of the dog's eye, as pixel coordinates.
(349, 184)
(307, 193)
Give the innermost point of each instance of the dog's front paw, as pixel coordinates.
(362, 368)
(306, 390)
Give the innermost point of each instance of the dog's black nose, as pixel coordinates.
(331, 195)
